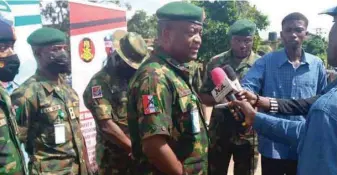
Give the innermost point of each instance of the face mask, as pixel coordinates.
(10, 67)
(60, 63)
(126, 71)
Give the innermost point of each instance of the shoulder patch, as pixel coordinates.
(150, 104)
(96, 92)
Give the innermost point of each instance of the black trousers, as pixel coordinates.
(219, 158)
(278, 166)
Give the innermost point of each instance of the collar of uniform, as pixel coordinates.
(171, 61)
(46, 83)
(246, 61)
(283, 58)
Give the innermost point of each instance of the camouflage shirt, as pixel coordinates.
(11, 157)
(163, 102)
(41, 104)
(231, 127)
(105, 97)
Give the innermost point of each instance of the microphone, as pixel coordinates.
(232, 76)
(225, 89)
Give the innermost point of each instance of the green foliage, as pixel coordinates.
(219, 16)
(143, 24)
(57, 13)
(316, 45)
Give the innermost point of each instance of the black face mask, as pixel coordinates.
(10, 69)
(126, 71)
(60, 63)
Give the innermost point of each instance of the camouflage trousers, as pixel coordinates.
(223, 147)
(116, 162)
(47, 168)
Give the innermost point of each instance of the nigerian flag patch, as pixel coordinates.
(150, 104)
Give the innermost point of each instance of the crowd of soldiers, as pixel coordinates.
(151, 109)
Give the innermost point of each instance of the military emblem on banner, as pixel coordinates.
(96, 92)
(150, 104)
(87, 50)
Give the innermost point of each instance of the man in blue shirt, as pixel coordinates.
(315, 138)
(288, 73)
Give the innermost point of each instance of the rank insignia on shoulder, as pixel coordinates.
(150, 104)
(96, 92)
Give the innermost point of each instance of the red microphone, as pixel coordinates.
(224, 89)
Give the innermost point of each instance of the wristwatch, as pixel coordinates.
(273, 105)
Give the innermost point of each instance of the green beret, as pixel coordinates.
(180, 11)
(242, 27)
(46, 36)
(331, 11)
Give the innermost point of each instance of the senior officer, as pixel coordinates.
(165, 117)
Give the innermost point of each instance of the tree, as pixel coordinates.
(143, 24)
(57, 13)
(316, 45)
(219, 16)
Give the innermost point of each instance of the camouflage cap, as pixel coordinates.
(131, 47)
(181, 11)
(331, 11)
(242, 27)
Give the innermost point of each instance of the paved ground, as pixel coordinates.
(231, 165)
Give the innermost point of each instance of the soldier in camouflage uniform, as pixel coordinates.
(11, 157)
(228, 136)
(166, 123)
(49, 110)
(264, 49)
(105, 96)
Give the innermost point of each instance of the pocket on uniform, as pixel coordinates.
(56, 166)
(189, 121)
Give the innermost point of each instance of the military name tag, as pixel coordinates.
(60, 133)
(72, 113)
(3, 122)
(195, 121)
(51, 109)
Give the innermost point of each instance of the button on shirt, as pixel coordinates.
(315, 138)
(273, 76)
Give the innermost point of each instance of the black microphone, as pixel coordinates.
(232, 76)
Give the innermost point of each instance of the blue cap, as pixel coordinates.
(331, 11)
(6, 31)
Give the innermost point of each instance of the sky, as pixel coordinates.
(275, 10)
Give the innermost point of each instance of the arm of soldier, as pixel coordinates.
(24, 111)
(154, 101)
(101, 109)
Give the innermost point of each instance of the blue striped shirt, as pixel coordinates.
(273, 76)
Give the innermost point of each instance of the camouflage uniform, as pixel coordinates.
(40, 104)
(162, 101)
(224, 130)
(111, 105)
(11, 157)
